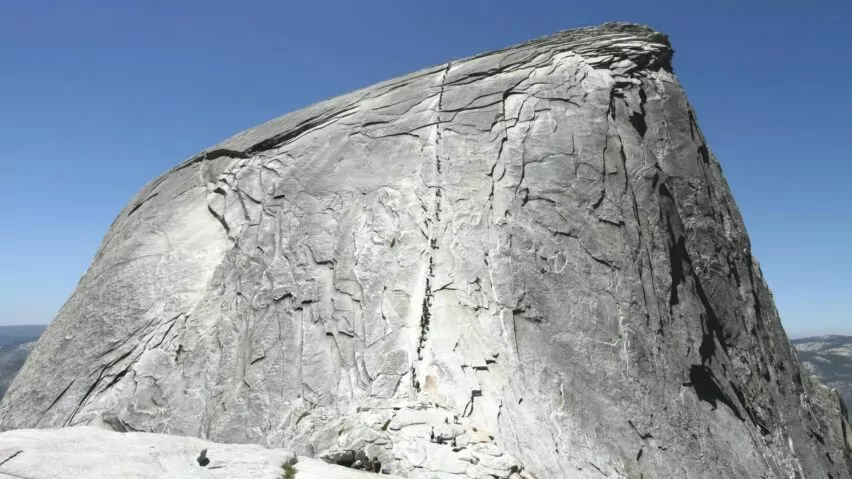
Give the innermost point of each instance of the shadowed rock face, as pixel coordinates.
(526, 263)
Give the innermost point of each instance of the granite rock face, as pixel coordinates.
(521, 264)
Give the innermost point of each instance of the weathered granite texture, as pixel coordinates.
(521, 264)
(91, 453)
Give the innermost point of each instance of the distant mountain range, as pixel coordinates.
(11, 335)
(829, 358)
(16, 342)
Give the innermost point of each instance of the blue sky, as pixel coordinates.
(99, 97)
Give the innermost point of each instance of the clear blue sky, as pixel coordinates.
(99, 97)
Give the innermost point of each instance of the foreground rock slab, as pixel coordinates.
(525, 263)
(94, 453)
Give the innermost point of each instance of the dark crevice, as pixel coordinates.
(116, 344)
(499, 154)
(473, 76)
(611, 110)
(712, 327)
(662, 61)
(163, 337)
(219, 218)
(638, 119)
(304, 127)
(557, 99)
(741, 398)
(601, 261)
(677, 244)
(120, 358)
(704, 153)
(389, 135)
(638, 122)
(734, 271)
(56, 400)
(707, 390)
(222, 153)
(211, 155)
(15, 454)
(85, 397)
(643, 436)
(468, 408)
(692, 123)
(115, 379)
(375, 123)
(677, 257)
(139, 205)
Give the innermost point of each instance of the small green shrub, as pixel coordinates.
(289, 471)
